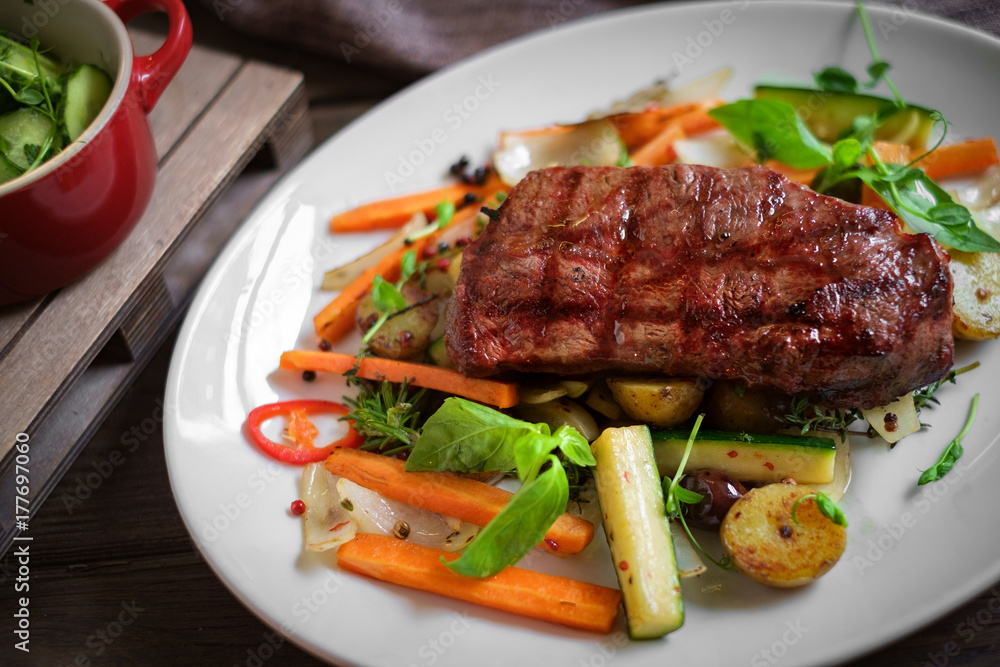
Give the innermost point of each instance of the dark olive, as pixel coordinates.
(719, 491)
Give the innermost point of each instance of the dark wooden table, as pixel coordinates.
(114, 578)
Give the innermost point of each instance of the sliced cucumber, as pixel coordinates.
(638, 532)
(18, 59)
(87, 89)
(828, 115)
(749, 458)
(8, 170)
(21, 129)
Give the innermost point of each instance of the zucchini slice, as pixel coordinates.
(638, 532)
(87, 89)
(828, 114)
(747, 457)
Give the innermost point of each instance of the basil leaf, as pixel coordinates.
(519, 526)
(835, 80)
(774, 130)
(952, 453)
(574, 446)
(386, 297)
(846, 152)
(830, 510)
(444, 212)
(826, 507)
(530, 451)
(926, 208)
(877, 70)
(408, 266)
(462, 436)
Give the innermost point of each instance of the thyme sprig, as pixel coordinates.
(811, 417)
(387, 414)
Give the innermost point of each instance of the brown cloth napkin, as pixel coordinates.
(410, 38)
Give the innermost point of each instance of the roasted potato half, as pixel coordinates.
(767, 545)
(661, 402)
(406, 334)
(976, 312)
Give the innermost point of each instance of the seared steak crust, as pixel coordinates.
(685, 270)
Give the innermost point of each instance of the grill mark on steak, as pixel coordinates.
(693, 271)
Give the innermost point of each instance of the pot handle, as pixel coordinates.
(152, 73)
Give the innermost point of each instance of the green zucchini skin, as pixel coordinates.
(828, 115)
(749, 457)
(638, 531)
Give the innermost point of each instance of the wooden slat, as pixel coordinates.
(203, 76)
(60, 343)
(12, 320)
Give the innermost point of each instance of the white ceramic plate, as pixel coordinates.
(912, 554)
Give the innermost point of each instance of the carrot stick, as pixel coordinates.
(890, 152)
(390, 213)
(960, 159)
(638, 128)
(546, 597)
(337, 318)
(658, 150)
(483, 390)
(448, 493)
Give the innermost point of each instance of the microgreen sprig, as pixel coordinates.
(826, 506)
(952, 453)
(674, 495)
(387, 297)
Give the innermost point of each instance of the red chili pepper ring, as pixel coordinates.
(298, 453)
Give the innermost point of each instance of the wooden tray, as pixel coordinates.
(66, 358)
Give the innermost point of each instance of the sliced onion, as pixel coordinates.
(689, 562)
(983, 200)
(339, 278)
(906, 418)
(707, 87)
(591, 142)
(326, 523)
(718, 149)
(587, 505)
(375, 513)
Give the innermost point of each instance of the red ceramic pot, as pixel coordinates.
(60, 220)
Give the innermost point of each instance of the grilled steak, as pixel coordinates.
(685, 270)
